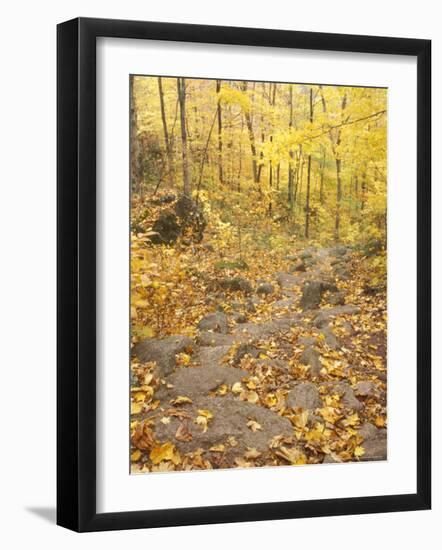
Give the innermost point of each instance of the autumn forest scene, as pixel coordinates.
(258, 274)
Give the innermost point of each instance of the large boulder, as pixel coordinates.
(216, 322)
(185, 219)
(304, 395)
(191, 218)
(162, 351)
(166, 228)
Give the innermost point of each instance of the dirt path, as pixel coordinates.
(291, 372)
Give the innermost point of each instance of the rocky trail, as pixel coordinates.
(291, 371)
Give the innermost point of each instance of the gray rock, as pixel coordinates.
(310, 262)
(210, 355)
(245, 349)
(230, 417)
(339, 250)
(255, 331)
(310, 356)
(304, 395)
(275, 364)
(311, 295)
(286, 280)
(321, 320)
(328, 459)
(215, 339)
(342, 272)
(368, 431)
(307, 341)
(337, 299)
(250, 307)
(166, 228)
(162, 351)
(216, 322)
(133, 379)
(347, 327)
(195, 382)
(325, 315)
(239, 317)
(336, 261)
(299, 266)
(236, 284)
(330, 338)
(365, 388)
(375, 448)
(307, 253)
(347, 395)
(283, 304)
(265, 288)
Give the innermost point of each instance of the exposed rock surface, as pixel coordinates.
(313, 291)
(217, 322)
(265, 288)
(199, 381)
(236, 284)
(227, 427)
(162, 351)
(304, 395)
(310, 356)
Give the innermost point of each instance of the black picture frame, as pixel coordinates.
(76, 274)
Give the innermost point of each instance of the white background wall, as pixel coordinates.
(27, 274)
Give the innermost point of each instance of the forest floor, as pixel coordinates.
(279, 360)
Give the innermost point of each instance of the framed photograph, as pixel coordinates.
(243, 274)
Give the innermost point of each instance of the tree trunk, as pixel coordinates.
(166, 133)
(307, 194)
(363, 190)
(251, 139)
(220, 133)
(291, 155)
(181, 87)
(135, 178)
(338, 197)
(321, 185)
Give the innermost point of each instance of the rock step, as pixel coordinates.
(230, 418)
(196, 382)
